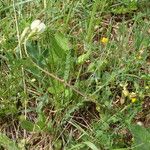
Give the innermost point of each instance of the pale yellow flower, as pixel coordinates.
(125, 92)
(33, 80)
(146, 87)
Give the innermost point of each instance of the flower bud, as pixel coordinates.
(37, 26)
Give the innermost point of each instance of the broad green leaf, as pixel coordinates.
(62, 41)
(30, 126)
(56, 47)
(27, 125)
(32, 49)
(141, 138)
(7, 143)
(59, 44)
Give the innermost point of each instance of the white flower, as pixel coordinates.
(38, 26)
(41, 27)
(35, 24)
(139, 123)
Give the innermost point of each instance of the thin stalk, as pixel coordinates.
(21, 56)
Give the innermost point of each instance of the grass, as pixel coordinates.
(66, 88)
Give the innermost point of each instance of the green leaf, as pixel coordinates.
(82, 58)
(141, 137)
(56, 47)
(99, 65)
(30, 126)
(59, 44)
(58, 144)
(27, 125)
(7, 143)
(76, 147)
(32, 49)
(91, 145)
(41, 121)
(62, 41)
(35, 53)
(34, 71)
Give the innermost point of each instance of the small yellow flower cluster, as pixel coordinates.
(132, 96)
(104, 40)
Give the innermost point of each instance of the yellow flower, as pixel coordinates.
(104, 40)
(133, 99)
(125, 91)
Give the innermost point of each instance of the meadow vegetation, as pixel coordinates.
(79, 82)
